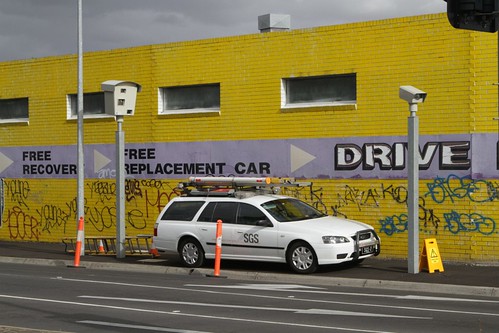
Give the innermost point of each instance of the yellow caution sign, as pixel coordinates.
(430, 257)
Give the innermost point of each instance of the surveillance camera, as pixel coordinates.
(412, 95)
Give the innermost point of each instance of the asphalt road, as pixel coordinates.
(457, 278)
(59, 298)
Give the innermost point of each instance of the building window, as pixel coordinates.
(189, 99)
(14, 110)
(93, 105)
(315, 91)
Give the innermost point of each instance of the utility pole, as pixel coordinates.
(81, 158)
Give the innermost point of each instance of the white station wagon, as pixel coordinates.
(257, 226)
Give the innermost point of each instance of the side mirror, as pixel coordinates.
(264, 223)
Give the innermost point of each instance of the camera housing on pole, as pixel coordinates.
(412, 95)
(120, 97)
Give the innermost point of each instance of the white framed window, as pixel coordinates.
(14, 110)
(203, 98)
(313, 91)
(93, 106)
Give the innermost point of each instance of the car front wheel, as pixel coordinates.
(191, 253)
(301, 258)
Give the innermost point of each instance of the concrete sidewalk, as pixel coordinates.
(465, 279)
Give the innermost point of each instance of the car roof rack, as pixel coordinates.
(230, 186)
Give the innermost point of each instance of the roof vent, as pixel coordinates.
(274, 22)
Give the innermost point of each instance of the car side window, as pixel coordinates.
(182, 210)
(225, 211)
(207, 214)
(249, 215)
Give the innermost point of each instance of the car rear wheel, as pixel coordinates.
(301, 258)
(191, 253)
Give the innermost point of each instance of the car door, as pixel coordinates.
(207, 226)
(254, 237)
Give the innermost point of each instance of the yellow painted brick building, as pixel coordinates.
(457, 68)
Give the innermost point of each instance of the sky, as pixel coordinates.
(40, 28)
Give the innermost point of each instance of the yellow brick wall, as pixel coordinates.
(457, 68)
(40, 211)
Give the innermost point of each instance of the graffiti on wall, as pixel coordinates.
(28, 217)
(28, 221)
(440, 191)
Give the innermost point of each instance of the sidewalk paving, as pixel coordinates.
(456, 278)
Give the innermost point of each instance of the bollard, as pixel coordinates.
(79, 241)
(218, 250)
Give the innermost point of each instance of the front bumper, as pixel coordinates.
(363, 244)
(366, 239)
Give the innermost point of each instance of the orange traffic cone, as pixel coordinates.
(153, 251)
(101, 247)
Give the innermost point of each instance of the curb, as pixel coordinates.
(272, 277)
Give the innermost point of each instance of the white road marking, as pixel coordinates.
(138, 327)
(445, 299)
(291, 299)
(355, 314)
(232, 306)
(191, 315)
(4, 328)
(299, 289)
(271, 286)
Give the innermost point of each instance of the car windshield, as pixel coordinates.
(286, 210)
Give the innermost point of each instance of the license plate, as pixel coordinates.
(367, 250)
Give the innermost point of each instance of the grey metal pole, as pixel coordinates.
(80, 153)
(120, 189)
(413, 189)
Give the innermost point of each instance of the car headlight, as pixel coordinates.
(334, 239)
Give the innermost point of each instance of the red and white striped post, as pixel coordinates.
(218, 250)
(79, 241)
